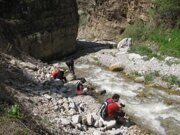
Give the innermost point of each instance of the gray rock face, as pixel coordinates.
(42, 28)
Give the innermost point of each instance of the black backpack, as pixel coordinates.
(104, 109)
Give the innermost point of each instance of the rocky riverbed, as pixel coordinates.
(53, 104)
(154, 72)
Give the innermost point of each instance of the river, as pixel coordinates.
(152, 108)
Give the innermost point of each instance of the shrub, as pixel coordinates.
(14, 111)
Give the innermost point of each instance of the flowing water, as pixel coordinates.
(152, 108)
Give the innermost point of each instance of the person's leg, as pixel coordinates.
(120, 118)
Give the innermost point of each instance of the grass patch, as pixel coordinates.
(151, 76)
(167, 41)
(143, 50)
(171, 79)
(134, 74)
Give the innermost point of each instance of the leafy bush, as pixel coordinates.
(15, 111)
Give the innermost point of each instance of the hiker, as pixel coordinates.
(70, 64)
(59, 74)
(111, 111)
(80, 87)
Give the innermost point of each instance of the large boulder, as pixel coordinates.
(44, 29)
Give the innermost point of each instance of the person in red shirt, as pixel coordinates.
(59, 74)
(114, 109)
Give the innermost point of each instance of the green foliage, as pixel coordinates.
(134, 74)
(15, 111)
(143, 50)
(151, 76)
(137, 31)
(172, 80)
(167, 41)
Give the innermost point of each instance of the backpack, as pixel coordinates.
(104, 109)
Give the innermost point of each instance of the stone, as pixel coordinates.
(65, 121)
(72, 111)
(96, 124)
(97, 132)
(76, 119)
(72, 105)
(144, 17)
(84, 120)
(60, 102)
(140, 79)
(79, 126)
(28, 65)
(116, 67)
(13, 62)
(101, 92)
(89, 120)
(70, 77)
(125, 43)
(47, 96)
(115, 132)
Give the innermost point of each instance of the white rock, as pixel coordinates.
(140, 79)
(125, 43)
(13, 62)
(76, 119)
(89, 120)
(60, 102)
(115, 132)
(72, 111)
(72, 105)
(70, 77)
(47, 96)
(65, 121)
(97, 132)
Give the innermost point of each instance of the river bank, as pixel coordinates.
(60, 111)
(52, 104)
